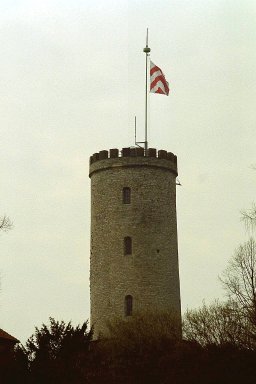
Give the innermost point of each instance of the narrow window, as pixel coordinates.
(128, 305)
(127, 245)
(127, 195)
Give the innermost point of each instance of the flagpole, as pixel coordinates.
(147, 51)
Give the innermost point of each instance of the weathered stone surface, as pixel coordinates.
(150, 275)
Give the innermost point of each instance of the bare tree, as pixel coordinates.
(5, 223)
(249, 217)
(239, 280)
(234, 321)
(218, 324)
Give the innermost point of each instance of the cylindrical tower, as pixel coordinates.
(134, 248)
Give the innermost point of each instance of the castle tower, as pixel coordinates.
(134, 250)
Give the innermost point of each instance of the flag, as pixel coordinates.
(158, 83)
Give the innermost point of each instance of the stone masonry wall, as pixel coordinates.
(150, 274)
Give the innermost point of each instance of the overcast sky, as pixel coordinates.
(72, 79)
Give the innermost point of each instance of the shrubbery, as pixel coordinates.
(146, 349)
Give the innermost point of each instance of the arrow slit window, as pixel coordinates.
(128, 305)
(127, 245)
(126, 195)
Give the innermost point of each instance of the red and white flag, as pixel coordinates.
(158, 83)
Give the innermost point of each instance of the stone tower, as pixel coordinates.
(134, 250)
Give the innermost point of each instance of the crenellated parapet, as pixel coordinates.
(132, 152)
(133, 157)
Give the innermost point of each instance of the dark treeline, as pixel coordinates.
(145, 349)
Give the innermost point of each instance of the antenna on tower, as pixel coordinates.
(135, 129)
(135, 134)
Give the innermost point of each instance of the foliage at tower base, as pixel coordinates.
(148, 349)
(58, 353)
(141, 350)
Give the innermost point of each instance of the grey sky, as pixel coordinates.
(72, 79)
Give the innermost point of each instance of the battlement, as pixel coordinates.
(133, 157)
(133, 152)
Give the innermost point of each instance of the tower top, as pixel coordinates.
(133, 157)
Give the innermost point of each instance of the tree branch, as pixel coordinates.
(5, 223)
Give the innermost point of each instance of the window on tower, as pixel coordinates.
(127, 245)
(128, 305)
(127, 195)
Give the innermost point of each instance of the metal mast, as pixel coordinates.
(147, 51)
